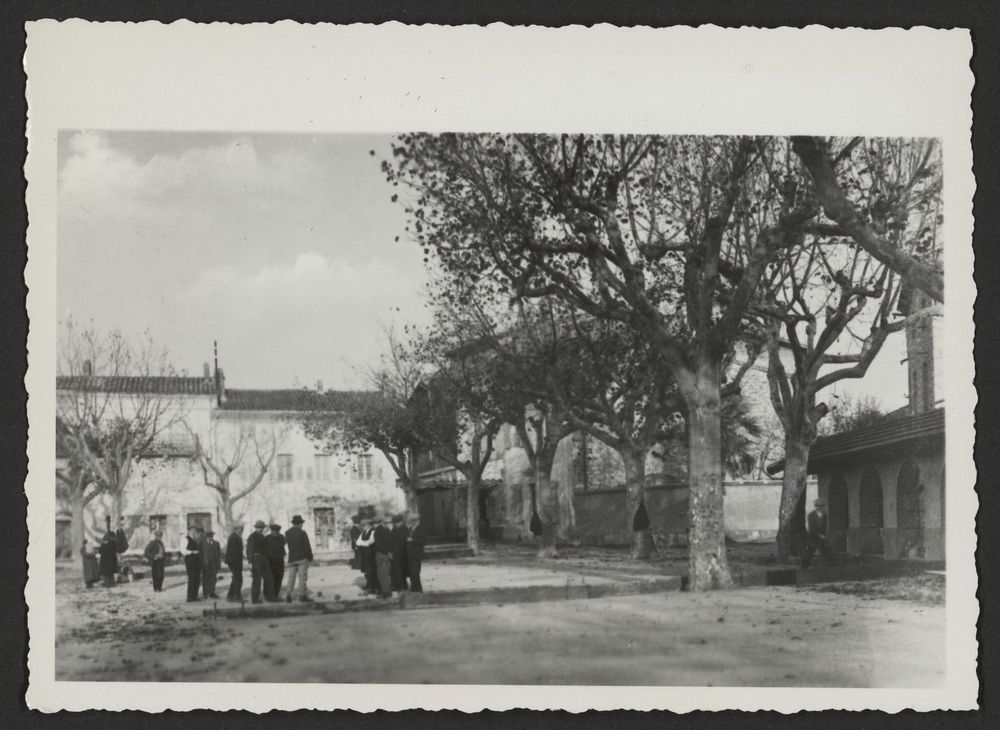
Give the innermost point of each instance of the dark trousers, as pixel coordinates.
(157, 568)
(192, 564)
(813, 544)
(236, 585)
(277, 574)
(396, 573)
(383, 565)
(209, 577)
(260, 572)
(413, 569)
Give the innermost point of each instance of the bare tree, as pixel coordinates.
(831, 302)
(229, 447)
(111, 408)
(382, 419)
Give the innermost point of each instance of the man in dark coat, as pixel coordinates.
(415, 541)
(91, 572)
(234, 561)
(192, 562)
(274, 547)
(211, 561)
(355, 534)
(156, 555)
(383, 556)
(260, 567)
(121, 539)
(397, 538)
(108, 550)
(300, 554)
(816, 537)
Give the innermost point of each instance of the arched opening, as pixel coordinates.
(872, 518)
(909, 511)
(839, 513)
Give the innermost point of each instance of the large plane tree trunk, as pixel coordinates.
(472, 513)
(635, 503)
(793, 487)
(548, 503)
(708, 567)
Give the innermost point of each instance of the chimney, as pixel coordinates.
(88, 367)
(920, 354)
(319, 386)
(208, 374)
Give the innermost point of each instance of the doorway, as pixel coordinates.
(872, 518)
(839, 513)
(324, 519)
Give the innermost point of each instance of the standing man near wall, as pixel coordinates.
(415, 540)
(397, 537)
(816, 535)
(192, 562)
(274, 547)
(300, 554)
(260, 567)
(211, 561)
(234, 561)
(383, 555)
(156, 554)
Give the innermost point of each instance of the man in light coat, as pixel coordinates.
(300, 554)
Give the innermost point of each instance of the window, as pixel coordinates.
(157, 522)
(285, 466)
(364, 467)
(321, 462)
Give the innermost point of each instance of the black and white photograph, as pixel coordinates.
(568, 405)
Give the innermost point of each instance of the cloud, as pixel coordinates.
(310, 318)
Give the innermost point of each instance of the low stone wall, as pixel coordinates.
(750, 512)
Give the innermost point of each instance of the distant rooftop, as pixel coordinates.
(296, 400)
(165, 384)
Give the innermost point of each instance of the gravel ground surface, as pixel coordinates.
(830, 635)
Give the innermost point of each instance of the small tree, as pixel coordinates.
(383, 419)
(850, 413)
(230, 447)
(110, 411)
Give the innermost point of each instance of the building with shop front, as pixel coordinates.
(167, 489)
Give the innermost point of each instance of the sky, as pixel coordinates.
(281, 247)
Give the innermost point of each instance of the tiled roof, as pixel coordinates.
(881, 439)
(166, 384)
(337, 401)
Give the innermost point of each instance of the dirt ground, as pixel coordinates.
(756, 636)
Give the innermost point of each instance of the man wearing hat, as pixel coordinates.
(211, 561)
(397, 538)
(417, 537)
(383, 555)
(192, 561)
(274, 548)
(355, 534)
(300, 554)
(260, 568)
(234, 561)
(816, 524)
(156, 554)
(367, 554)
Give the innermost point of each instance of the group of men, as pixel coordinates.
(266, 555)
(389, 558)
(203, 558)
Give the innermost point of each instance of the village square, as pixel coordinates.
(500, 409)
